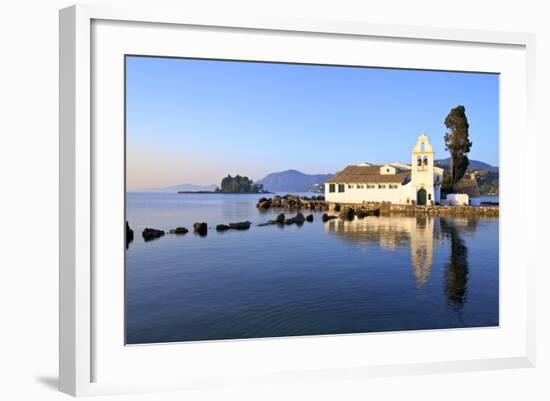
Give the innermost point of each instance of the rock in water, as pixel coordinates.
(300, 218)
(200, 228)
(264, 205)
(242, 225)
(151, 234)
(348, 214)
(179, 230)
(326, 217)
(129, 233)
(309, 218)
(222, 227)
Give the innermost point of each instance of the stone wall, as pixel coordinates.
(385, 209)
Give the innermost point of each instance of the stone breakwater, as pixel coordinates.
(292, 202)
(349, 211)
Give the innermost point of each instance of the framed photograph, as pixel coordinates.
(278, 200)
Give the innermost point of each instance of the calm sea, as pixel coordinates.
(374, 274)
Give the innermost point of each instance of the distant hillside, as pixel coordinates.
(183, 187)
(474, 165)
(487, 176)
(292, 181)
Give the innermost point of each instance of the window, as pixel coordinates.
(422, 147)
(425, 160)
(381, 186)
(371, 186)
(429, 196)
(350, 186)
(393, 186)
(419, 161)
(360, 186)
(341, 188)
(387, 170)
(331, 187)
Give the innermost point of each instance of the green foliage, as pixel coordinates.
(446, 185)
(238, 184)
(487, 181)
(457, 142)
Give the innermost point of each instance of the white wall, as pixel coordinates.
(457, 199)
(28, 205)
(355, 195)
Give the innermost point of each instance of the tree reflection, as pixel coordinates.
(456, 273)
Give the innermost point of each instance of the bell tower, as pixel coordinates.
(422, 171)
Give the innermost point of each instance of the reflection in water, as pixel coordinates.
(367, 275)
(392, 233)
(456, 273)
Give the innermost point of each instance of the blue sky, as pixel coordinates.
(195, 121)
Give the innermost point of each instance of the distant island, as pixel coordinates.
(233, 185)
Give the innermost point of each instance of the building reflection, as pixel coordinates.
(393, 233)
(421, 234)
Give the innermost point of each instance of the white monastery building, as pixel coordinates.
(418, 183)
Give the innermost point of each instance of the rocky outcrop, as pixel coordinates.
(347, 213)
(298, 219)
(280, 219)
(179, 230)
(201, 228)
(242, 225)
(129, 235)
(151, 233)
(309, 218)
(293, 202)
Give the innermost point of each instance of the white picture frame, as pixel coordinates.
(80, 211)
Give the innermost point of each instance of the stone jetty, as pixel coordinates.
(293, 202)
(349, 211)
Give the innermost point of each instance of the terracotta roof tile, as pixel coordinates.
(367, 174)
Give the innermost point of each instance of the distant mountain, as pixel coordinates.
(474, 165)
(183, 187)
(292, 181)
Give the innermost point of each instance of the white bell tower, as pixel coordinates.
(422, 172)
